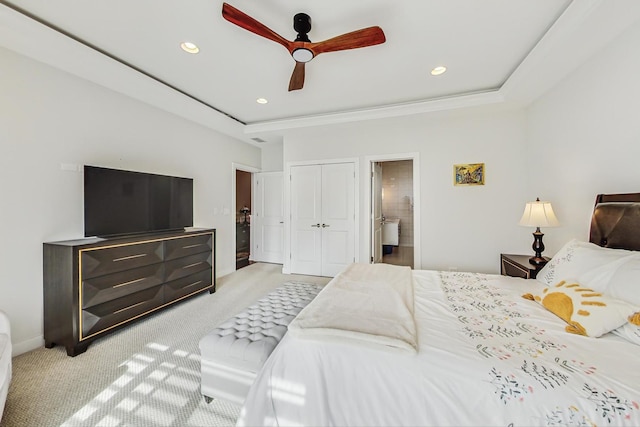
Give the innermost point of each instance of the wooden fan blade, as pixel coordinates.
(356, 39)
(297, 78)
(243, 20)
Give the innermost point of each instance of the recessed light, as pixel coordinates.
(438, 70)
(189, 47)
(261, 100)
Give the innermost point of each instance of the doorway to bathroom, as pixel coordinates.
(394, 227)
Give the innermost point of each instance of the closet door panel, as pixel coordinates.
(306, 243)
(337, 252)
(338, 217)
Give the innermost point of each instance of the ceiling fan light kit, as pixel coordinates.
(302, 55)
(302, 49)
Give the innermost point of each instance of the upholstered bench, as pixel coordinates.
(232, 354)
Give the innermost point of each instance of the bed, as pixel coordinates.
(457, 349)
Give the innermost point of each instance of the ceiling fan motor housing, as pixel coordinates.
(302, 25)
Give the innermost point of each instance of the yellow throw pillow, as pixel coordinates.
(585, 311)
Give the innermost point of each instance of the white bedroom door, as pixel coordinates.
(322, 218)
(267, 218)
(376, 212)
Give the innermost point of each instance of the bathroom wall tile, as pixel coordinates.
(397, 181)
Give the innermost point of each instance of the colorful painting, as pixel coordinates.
(468, 174)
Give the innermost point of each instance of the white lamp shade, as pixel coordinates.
(538, 214)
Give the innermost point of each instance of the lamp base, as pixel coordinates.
(538, 247)
(538, 261)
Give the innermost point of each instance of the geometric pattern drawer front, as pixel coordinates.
(185, 246)
(186, 266)
(187, 285)
(97, 262)
(116, 285)
(510, 269)
(100, 317)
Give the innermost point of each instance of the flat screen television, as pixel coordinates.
(120, 202)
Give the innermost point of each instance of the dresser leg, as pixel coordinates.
(77, 349)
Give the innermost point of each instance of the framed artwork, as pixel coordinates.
(468, 174)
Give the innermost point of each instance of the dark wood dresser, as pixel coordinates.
(93, 286)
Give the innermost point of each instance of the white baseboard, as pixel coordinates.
(26, 346)
(220, 274)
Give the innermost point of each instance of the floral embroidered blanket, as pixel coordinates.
(486, 356)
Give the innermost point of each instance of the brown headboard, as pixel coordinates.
(616, 221)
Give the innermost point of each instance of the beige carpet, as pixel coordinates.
(147, 374)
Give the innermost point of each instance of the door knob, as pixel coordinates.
(325, 225)
(315, 225)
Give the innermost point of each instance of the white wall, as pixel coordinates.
(584, 137)
(47, 118)
(272, 157)
(461, 227)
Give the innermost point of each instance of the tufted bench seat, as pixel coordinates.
(232, 354)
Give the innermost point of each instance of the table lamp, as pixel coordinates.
(538, 214)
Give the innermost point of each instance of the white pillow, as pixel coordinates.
(624, 282)
(578, 259)
(599, 278)
(585, 311)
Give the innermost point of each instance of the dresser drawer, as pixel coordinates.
(98, 290)
(186, 266)
(187, 285)
(99, 261)
(185, 246)
(109, 314)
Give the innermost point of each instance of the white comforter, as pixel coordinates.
(486, 357)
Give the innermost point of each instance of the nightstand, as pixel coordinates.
(519, 266)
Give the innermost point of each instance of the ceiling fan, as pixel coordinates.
(302, 49)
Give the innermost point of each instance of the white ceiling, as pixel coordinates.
(495, 51)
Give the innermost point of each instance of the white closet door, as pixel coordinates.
(338, 217)
(306, 231)
(267, 218)
(322, 218)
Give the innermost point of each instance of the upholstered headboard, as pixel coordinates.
(616, 221)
